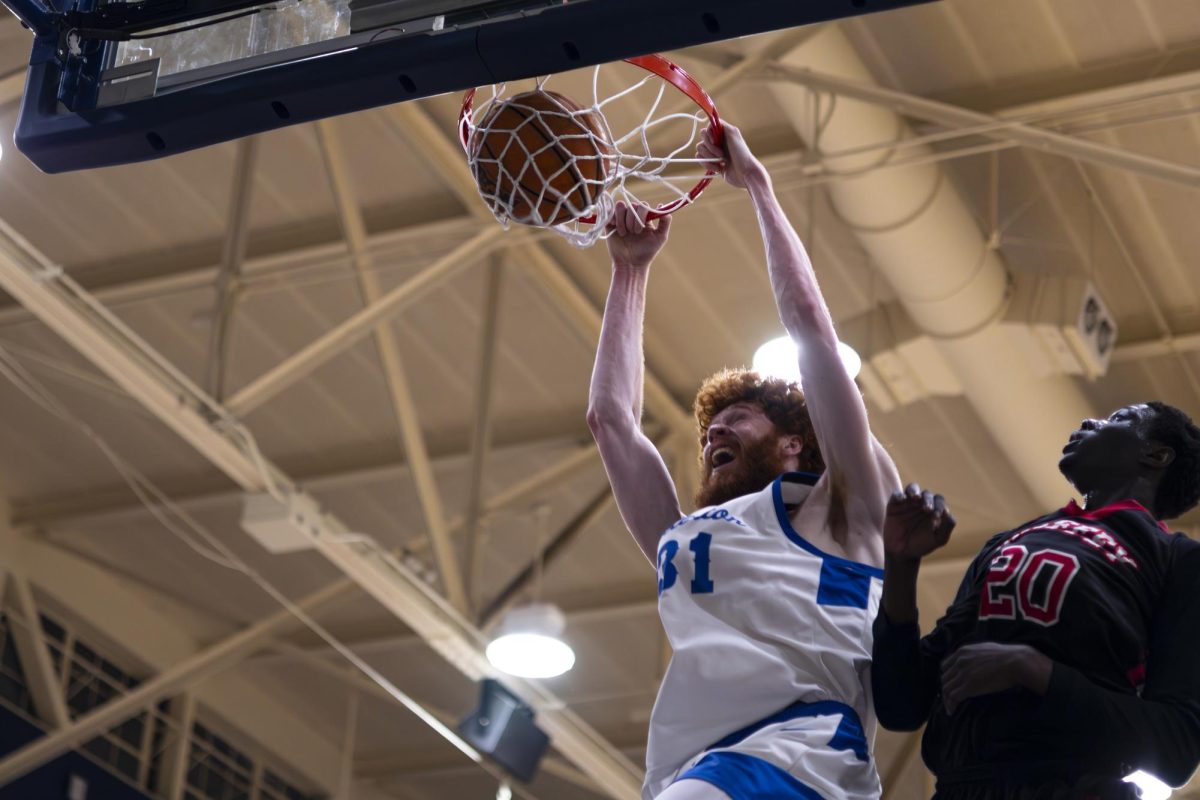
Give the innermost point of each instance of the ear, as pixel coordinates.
(791, 445)
(1157, 456)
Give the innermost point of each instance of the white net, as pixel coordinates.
(542, 158)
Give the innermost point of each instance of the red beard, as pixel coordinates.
(758, 463)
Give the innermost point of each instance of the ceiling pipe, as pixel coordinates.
(946, 273)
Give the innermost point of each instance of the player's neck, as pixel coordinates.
(1137, 488)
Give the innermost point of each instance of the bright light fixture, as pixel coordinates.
(528, 645)
(1150, 787)
(780, 358)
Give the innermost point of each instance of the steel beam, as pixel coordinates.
(529, 488)
(632, 600)
(233, 254)
(92, 504)
(587, 318)
(551, 552)
(351, 330)
(45, 686)
(346, 777)
(141, 277)
(172, 774)
(403, 405)
(195, 669)
(481, 429)
(1149, 74)
(214, 432)
(989, 126)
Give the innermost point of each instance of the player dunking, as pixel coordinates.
(768, 591)
(1071, 655)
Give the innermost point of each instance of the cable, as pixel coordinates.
(159, 504)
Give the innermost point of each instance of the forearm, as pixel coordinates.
(906, 669)
(903, 678)
(797, 293)
(900, 590)
(616, 387)
(902, 682)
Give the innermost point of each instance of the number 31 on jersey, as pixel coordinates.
(668, 573)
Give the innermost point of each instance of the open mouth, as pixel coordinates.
(721, 457)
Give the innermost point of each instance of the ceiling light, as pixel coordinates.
(780, 358)
(527, 643)
(1149, 787)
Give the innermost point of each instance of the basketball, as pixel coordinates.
(540, 158)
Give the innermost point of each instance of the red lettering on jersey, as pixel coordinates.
(1093, 536)
(1003, 569)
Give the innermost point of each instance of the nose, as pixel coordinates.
(717, 429)
(1089, 425)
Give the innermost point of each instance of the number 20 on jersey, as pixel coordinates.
(1032, 585)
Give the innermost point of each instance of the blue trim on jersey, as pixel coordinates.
(744, 777)
(849, 734)
(843, 582)
(843, 586)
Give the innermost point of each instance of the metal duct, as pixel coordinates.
(951, 281)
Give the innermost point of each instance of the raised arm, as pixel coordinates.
(861, 471)
(906, 669)
(641, 484)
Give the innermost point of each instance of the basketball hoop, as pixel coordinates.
(568, 174)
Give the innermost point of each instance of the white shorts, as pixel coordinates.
(808, 751)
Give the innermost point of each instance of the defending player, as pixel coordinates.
(1071, 655)
(768, 591)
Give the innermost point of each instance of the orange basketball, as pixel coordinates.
(540, 159)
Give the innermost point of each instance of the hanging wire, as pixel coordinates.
(541, 515)
(177, 521)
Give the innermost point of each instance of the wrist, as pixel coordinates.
(631, 271)
(757, 178)
(901, 566)
(899, 601)
(1034, 669)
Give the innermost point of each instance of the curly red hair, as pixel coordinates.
(782, 401)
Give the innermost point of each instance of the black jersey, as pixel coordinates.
(1113, 598)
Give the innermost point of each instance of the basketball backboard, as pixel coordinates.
(122, 82)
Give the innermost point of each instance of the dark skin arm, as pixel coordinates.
(987, 667)
(904, 680)
(917, 524)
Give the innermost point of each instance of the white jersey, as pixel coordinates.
(768, 634)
